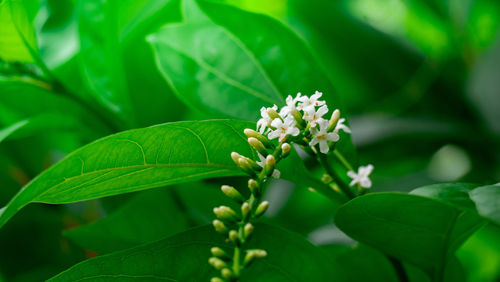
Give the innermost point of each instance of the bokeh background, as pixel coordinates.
(420, 81)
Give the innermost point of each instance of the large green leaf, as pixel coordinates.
(419, 230)
(149, 216)
(184, 257)
(220, 56)
(147, 158)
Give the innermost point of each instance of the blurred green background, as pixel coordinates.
(420, 81)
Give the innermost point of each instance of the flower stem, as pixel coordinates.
(322, 158)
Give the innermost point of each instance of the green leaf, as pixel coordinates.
(184, 257)
(146, 158)
(421, 231)
(149, 216)
(220, 56)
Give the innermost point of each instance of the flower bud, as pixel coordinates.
(333, 120)
(232, 193)
(225, 213)
(219, 226)
(253, 185)
(326, 178)
(270, 163)
(261, 209)
(298, 118)
(236, 157)
(248, 229)
(217, 252)
(252, 133)
(226, 273)
(245, 209)
(233, 236)
(273, 114)
(217, 263)
(252, 254)
(216, 279)
(285, 150)
(258, 146)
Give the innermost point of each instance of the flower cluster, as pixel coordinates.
(302, 119)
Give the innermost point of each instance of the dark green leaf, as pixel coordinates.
(421, 231)
(147, 217)
(184, 257)
(453, 193)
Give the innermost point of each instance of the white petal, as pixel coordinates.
(322, 111)
(353, 182)
(323, 146)
(352, 174)
(294, 131)
(313, 142)
(274, 134)
(334, 137)
(276, 123)
(366, 182)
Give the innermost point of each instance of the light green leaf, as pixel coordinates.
(184, 257)
(487, 200)
(146, 158)
(149, 216)
(421, 231)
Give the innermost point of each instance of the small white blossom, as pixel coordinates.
(313, 116)
(266, 120)
(309, 103)
(362, 176)
(276, 173)
(283, 128)
(290, 105)
(322, 137)
(341, 126)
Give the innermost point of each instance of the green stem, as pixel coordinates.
(399, 268)
(236, 261)
(344, 187)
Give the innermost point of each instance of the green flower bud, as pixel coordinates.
(232, 193)
(219, 226)
(233, 236)
(261, 209)
(226, 273)
(248, 229)
(225, 213)
(253, 254)
(253, 185)
(258, 146)
(273, 114)
(245, 209)
(252, 133)
(333, 120)
(218, 252)
(216, 279)
(298, 118)
(326, 178)
(236, 157)
(270, 164)
(249, 166)
(285, 150)
(217, 263)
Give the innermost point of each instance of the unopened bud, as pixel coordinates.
(216, 279)
(270, 163)
(232, 193)
(253, 185)
(226, 273)
(252, 133)
(333, 120)
(236, 157)
(225, 213)
(273, 114)
(219, 226)
(233, 236)
(261, 209)
(298, 118)
(248, 229)
(326, 178)
(217, 252)
(258, 146)
(245, 209)
(217, 263)
(285, 150)
(252, 254)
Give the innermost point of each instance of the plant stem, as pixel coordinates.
(324, 162)
(399, 268)
(236, 261)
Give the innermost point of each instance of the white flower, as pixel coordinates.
(362, 176)
(290, 105)
(322, 137)
(276, 173)
(341, 126)
(308, 103)
(313, 116)
(283, 129)
(266, 120)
